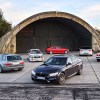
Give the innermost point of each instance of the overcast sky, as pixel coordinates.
(16, 11)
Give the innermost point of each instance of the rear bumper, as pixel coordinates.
(86, 54)
(97, 57)
(12, 68)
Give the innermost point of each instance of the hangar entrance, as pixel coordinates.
(53, 32)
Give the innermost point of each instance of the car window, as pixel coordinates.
(73, 58)
(85, 47)
(3, 58)
(69, 60)
(0, 57)
(11, 58)
(56, 61)
(35, 52)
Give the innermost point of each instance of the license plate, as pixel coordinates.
(42, 78)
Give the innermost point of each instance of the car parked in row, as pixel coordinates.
(98, 56)
(85, 50)
(58, 68)
(56, 49)
(35, 55)
(10, 62)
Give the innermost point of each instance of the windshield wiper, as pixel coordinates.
(45, 64)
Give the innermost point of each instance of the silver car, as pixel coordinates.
(85, 50)
(11, 62)
(35, 55)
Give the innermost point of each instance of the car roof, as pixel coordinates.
(8, 54)
(35, 49)
(63, 55)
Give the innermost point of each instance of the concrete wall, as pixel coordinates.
(6, 41)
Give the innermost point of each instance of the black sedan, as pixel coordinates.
(58, 68)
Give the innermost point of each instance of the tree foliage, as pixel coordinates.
(4, 25)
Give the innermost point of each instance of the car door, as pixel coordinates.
(68, 70)
(74, 64)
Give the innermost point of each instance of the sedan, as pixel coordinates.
(85, 50)
(58, 68)
(11, 62)
(98, 56)
(55, 49)
(35, 55)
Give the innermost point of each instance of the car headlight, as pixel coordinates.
(33, 72)
(53, 74)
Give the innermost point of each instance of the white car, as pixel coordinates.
(35, 55)
(98, 56)
(85, 50)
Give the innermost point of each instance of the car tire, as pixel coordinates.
(98, 60)
(1, 70)
(20, 69)
(51, 52)
(79, 72)
(66, 52)
(61, 79)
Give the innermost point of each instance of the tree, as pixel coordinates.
(4, 25)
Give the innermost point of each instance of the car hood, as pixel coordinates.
(48, 68)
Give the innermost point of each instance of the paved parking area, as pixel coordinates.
(90, 74)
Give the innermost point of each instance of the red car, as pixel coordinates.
(53, 50)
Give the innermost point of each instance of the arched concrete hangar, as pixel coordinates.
(50, 29)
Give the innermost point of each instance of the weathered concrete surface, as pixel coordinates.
(49, 92)
(7, 43)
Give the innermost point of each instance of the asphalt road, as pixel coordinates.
(49, 92)
(17, 85)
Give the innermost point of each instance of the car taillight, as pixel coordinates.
(8, 64)
(81, 50)
(97, 54)
(22, 62)
(90, 50)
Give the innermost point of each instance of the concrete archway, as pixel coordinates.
(75, 24)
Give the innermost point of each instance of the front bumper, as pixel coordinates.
(36, 59)
(47, 78)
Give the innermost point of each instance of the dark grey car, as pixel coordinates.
(11, 62)
(58, 68)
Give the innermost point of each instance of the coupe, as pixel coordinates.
(55, 49)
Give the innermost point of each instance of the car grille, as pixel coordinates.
(37, 56)
(41, 74)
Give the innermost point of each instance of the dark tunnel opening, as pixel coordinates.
(53, 32)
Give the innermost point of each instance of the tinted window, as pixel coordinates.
(85, 48)
(56, 61)
(11, 58)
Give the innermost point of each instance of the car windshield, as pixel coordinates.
(56, 61)
(85, 48)
(35, 52)
(12, 58)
